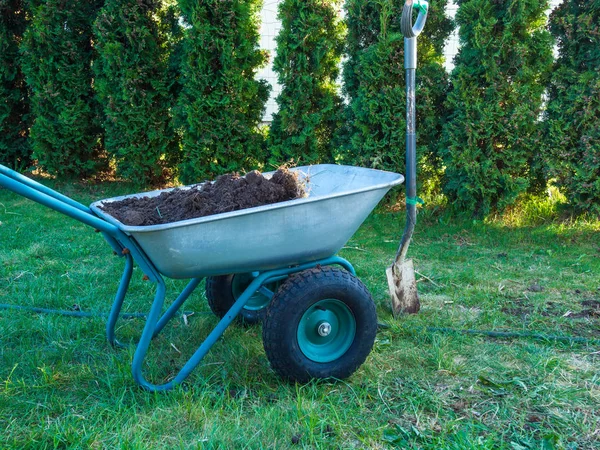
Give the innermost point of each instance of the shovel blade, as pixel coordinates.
(403, 288)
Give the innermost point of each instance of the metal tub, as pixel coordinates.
(266, 237)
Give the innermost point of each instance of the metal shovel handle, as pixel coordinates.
(410, 32)
(408, 29)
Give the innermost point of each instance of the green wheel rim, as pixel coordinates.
(258, 300)
(326, 330)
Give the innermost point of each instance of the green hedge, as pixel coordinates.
(221, 103)
(15, 148)
(57, 56)
(133, 83)
(309, 49)
(492, 135)
(173, 88)
(572, 131)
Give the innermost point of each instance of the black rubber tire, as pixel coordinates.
(219, 294)
(299, 292)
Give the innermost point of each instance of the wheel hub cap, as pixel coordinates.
(326, 330)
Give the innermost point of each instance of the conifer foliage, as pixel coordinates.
(492, 134)
(309, 49)
(15, 150)
(57, 55)
(133, 86)
(374, 82)
(221, 103)
(572, 135)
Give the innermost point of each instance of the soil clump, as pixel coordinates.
(229, 192)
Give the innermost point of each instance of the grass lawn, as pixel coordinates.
(63, 386)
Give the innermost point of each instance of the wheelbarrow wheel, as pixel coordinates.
(222, 292)
(321, 323)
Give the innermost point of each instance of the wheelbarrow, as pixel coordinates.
(275, 263)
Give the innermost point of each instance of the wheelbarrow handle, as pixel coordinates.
(117, 239)
(41, 188)
(408, 29)
(52, 199)
(56, 204)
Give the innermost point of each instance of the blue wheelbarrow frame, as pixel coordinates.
(125, 245)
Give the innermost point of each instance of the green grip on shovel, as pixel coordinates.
(421, 5)
(414, 201)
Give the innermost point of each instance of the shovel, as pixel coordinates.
(401, 274)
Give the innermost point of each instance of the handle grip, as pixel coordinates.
(408, 29)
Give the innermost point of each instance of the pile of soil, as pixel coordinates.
(230, 192)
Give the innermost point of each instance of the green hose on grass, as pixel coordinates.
(444, 330)
(516, 334)
(81, 314)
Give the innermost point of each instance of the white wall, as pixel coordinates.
(269, 29)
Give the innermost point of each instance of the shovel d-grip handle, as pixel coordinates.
(408, 29)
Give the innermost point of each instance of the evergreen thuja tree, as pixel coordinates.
(15, 150)
(572, 128)
(221, 103)
(57, 55)
(133, 85)
(374, 82)
(492, 134)
(309, 49)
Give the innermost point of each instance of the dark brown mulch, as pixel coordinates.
(229, 192)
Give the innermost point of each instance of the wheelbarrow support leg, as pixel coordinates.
(115, 309)
(168, 315)
(155, 323)
(151, 327)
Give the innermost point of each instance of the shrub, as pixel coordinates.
(57, 54)
(15, 150)
(309, 49)
(221, 103)
(133, 85)
(491, 136)
(572, 132)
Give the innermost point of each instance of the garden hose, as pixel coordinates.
(445, 330)
(516, 334)
(80, 314)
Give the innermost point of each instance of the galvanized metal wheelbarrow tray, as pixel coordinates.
(270, 242)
